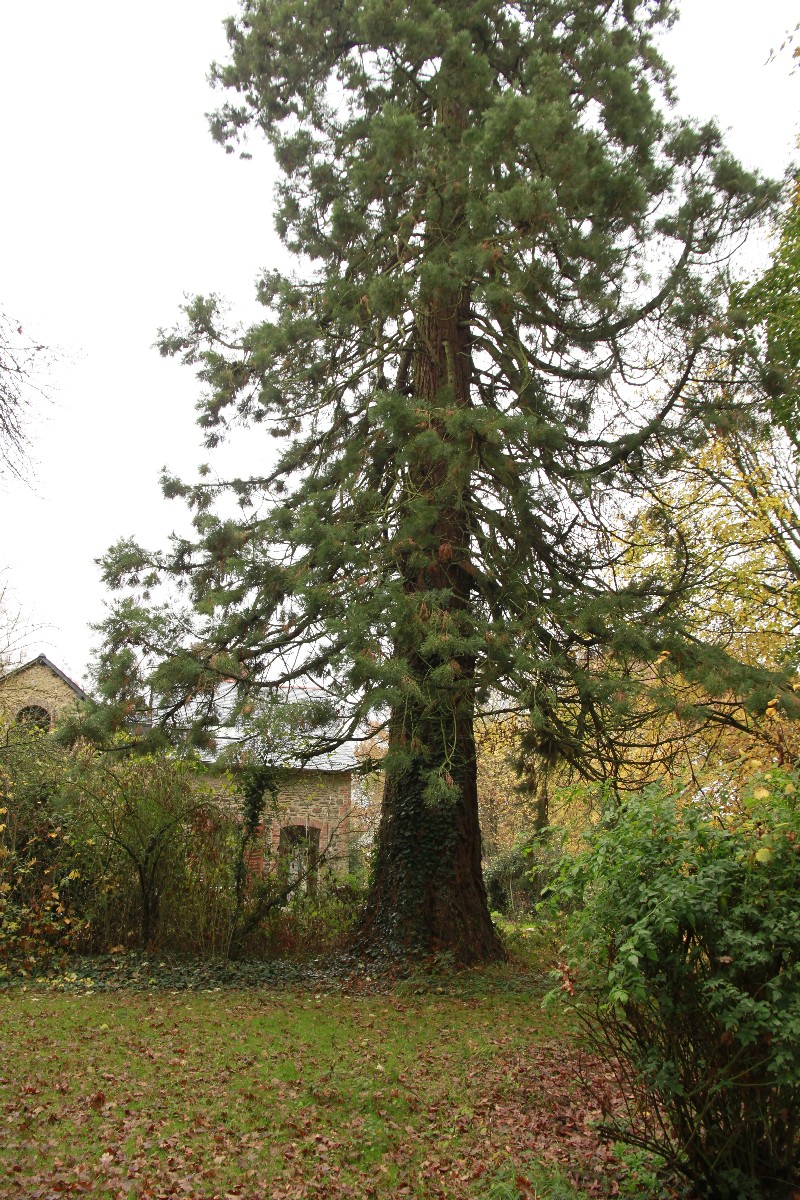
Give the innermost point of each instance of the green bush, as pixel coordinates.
(37, 865)
(149, 841)
(683, 963)
(99, 850)
(517, 878)
(310, 924)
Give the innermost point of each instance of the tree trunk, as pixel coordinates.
(149, 896)
(427, 893)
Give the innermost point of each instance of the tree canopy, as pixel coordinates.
(505, 325)
(772, 310)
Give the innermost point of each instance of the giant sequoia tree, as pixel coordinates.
(505, 321)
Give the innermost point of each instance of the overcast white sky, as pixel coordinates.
(115, 203)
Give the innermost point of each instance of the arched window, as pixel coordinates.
(34, 718)
(298, 851)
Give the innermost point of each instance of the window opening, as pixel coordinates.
(298, 849)
(34, 718)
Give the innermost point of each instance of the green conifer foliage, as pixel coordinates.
(508, 296)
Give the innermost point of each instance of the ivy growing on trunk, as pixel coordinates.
(506, 320)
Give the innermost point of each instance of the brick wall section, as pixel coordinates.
(319, 800)
(35, 685)
(313, 799)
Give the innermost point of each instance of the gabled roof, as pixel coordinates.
(43, 661)
(341, 759)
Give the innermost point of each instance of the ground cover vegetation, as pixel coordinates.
(507, 325)
(445, 1087)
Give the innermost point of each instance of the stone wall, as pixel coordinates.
(34, 685)
(318, 800)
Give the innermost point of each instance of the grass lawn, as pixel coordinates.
(457, 1087)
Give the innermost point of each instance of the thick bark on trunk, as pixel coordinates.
(427, 894)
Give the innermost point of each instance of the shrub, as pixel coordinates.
(517, 878)
(310, 924)
(99, 849)
(156, 852)
(36, 861)
(684, 966)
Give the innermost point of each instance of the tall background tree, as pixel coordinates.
(20, 358)
(506, 325)
(771, 312)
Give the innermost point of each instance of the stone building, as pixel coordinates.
(310, 820)
(36, 695)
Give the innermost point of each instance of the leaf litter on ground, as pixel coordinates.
(130, 1076)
